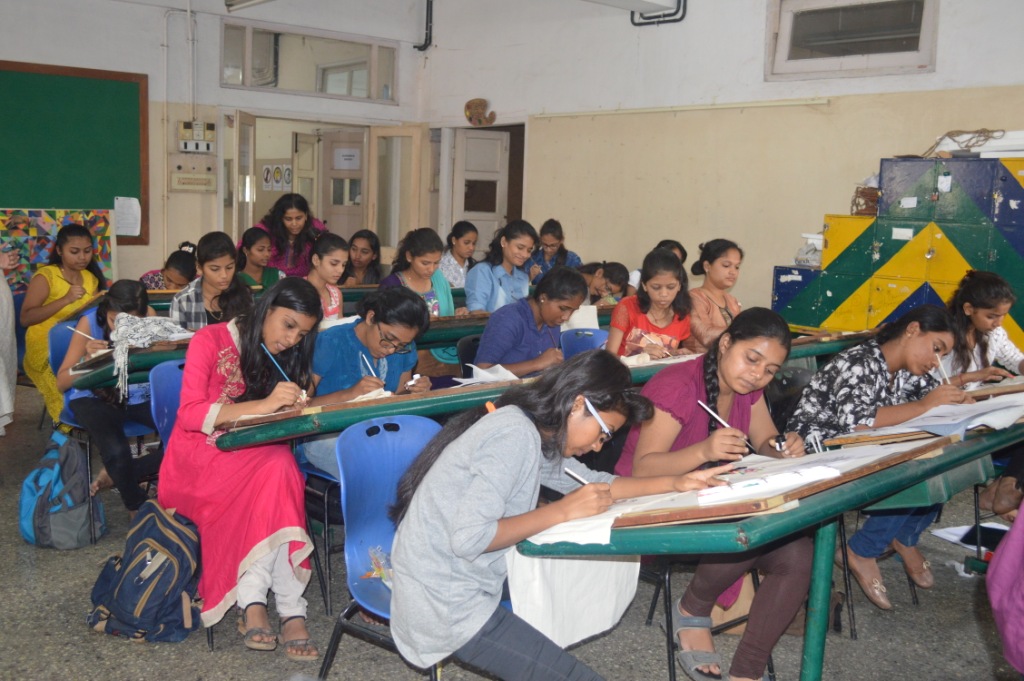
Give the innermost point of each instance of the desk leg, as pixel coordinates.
(817, 603)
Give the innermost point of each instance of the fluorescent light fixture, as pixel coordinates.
(235, 5)
(644, 6)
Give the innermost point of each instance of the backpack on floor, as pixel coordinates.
(149, 592)
(53, 510)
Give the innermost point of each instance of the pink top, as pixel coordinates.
(246, 503)
(300, 266)
(706, 318)
(675, 390)
(332, 309)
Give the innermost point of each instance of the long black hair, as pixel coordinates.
(754, 322)
(513, 230)
(72, 231)
(124, 295)
(236, 299)
(325, 244)
(673, 245)
(293, 293)
(373, 272)
(250, 238)
(613, 272)
(274, 222)
(397, 306)
(711, 251)
(459, 230)
(553, 227)
(929, 318)
(561, 283)
(981, 290)
(416, 243)
(663, 261)
(183, 260)
(547, 401)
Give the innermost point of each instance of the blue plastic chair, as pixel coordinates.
(372, 455)
(576, 341)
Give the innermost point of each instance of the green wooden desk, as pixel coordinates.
(139, 365)
(818, 512)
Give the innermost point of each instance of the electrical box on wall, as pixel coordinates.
(197, 137)
(190, 173)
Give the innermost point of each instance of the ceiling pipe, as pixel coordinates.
(675, 16)
(429, 37)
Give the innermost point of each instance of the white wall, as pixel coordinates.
(542, 56)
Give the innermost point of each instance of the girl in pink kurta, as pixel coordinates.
(248, 504)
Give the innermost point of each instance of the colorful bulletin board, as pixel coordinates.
(32, 233)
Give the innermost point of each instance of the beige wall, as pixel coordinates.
(758, 175)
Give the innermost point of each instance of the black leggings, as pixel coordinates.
(105, 423)
(787, 574)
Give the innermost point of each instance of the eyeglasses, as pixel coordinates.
(606, 432)
(551, 247)
(388, 344)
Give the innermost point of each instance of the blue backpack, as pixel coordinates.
(53, 508)
(149, 592)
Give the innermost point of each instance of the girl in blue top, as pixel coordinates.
(500, 279)
(524, 337)
(104, 413)
(376, 352)
(551, 251)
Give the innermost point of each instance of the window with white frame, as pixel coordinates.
(265, 57)
(840, 38)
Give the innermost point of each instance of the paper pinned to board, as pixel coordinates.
(127, 216)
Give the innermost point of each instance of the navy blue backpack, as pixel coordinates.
(150, 592)
(53, 507)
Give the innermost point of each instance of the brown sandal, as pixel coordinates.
(304, 644)
(250, 634)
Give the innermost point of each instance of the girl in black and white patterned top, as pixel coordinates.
(883, 382)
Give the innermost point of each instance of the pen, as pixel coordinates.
(722, 422)
(83, 333)
(942, 369)
(575, 476)
(411, 382)
(272, 359)
(368, 365)
(780, 443)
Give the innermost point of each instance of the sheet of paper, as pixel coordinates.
(372, 395)
(583, 318)
(643, 359)
(492, 374)
(127, 216)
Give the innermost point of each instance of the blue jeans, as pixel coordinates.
(510, 649)
(881, 527)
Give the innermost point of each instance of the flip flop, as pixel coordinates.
(250, 634)
(692, 660)
(305, 644)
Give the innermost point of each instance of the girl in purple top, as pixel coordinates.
(681, 437)
(292, 229)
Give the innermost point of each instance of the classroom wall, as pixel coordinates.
(759, 175)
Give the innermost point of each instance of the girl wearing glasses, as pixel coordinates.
(551, 252)
(378, 352)
(449, 558)
(681, 437)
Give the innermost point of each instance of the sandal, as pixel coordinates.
(692, 660)
(250, 634)
(304, 644)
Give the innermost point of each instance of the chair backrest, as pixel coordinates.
(59, 339)
(165, 395)
(466, 348)
(372, 456)
(575, 341)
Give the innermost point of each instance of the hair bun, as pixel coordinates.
(188, 247)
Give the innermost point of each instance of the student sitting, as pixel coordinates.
(458, 254)
(551, 252)
(657, 319)
(177, 273)
(377, 352)
(472, 494)
(55, 292)
(670, 244)
(713, 305)
(978, 308)
(253, 266)
(292, 229)
(363, 266)
(327, 260)
(883, 382)
(682, 437)
(606, 281)
(104, 413)
(499, 279)
(217, 295)
(524, 337)
(248, 504)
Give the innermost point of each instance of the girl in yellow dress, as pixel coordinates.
(55, 292)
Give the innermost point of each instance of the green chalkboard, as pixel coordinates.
(74, 138)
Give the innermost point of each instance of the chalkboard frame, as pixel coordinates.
(141, 81)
